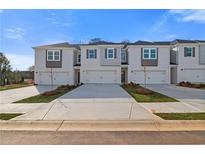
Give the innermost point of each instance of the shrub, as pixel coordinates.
(143, 91)
(50, 93)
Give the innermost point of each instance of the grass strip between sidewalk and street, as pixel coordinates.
(182, 116)
(141, 94)
(14, 86)
(8, 116)
(48, 96)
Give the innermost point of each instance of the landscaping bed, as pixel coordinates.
(14, 86)
(182, 116)
(8, 116)
(141, 94)
(192, 85)
(48, 96)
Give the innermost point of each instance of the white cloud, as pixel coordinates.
(20, 62)
(159, 24)
(170, 36)
(190, 15)
(14, 33)
(59, 21)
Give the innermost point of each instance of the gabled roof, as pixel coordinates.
(64, 44)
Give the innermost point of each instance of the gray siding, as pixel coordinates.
(202, 54)
(110, 62)
(149, 62)
(54, 64)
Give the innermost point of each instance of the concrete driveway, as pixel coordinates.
(9, 96)
(191, 100)
(91, 102)
(181, 93)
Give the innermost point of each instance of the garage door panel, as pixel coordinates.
(59, 78)
(193, 75)
(150, 76)
(104, 76)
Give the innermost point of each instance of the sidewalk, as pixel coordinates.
(171, 125)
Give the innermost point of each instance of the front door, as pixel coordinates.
(78, 77)
(123, 76)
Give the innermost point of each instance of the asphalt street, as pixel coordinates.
(102, 137)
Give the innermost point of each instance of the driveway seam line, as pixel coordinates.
(48, 111)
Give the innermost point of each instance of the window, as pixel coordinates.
(123, 56)
(110, 53)
(150, 53)
(91, 53)
(188, 52)
(78, 58)
(53, 55)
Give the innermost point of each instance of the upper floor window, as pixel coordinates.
(123, 56)
(91, 53)
(150, 53)
(110, 53)
(189, 52)
(53, 55)
(78, 58)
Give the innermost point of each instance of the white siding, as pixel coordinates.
(64, 75)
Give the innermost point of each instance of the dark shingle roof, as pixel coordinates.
(150, 43)
(183, 41)
(103, 43)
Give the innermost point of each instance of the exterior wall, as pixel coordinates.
(189, 68)
(58, 73)
(136, 70)
(95, 64)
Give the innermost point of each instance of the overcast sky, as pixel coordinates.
(22, 29)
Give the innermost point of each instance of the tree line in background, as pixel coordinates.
(7, 76)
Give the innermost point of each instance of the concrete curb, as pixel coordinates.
(196, 125)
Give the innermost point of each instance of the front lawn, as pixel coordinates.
(8, 116)
(141, 94)
(48, 96)
(182, 116)
(14, 86)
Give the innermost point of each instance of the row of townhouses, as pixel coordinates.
(107, 62)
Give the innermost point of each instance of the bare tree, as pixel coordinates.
(95, 40)
(31, 68)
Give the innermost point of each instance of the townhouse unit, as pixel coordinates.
(140, 62)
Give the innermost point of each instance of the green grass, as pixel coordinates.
(8, 116)
(44, 99)
(153, 97)
(182, 116)
(14, 86)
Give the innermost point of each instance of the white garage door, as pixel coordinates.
(104, 76)
(59, 78)
(194, 75)
(151, 77)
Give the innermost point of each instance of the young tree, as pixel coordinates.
(5, 69)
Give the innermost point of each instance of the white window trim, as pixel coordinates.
(113, 53)
(53, 55)
(94, 53)
(191, 52)
(149, 53)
